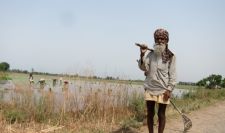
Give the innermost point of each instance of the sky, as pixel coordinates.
(97, 37)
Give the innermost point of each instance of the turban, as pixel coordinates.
(162, 34)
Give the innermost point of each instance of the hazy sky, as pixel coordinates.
(97, 37)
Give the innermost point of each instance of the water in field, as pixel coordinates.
(78, 92)
(6, 89)
(7, 84)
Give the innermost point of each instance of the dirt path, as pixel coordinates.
(206, 120)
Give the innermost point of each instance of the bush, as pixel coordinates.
(130, 123)
(137, 105)
(15, 115)
(4, 76)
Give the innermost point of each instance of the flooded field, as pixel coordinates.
(74, 94)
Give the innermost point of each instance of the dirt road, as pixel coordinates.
(206, 120)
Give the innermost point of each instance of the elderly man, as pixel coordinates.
(160, 71)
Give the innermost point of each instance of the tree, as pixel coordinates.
(202, 82)
(213, 81)
(223, 83)
(4, 66)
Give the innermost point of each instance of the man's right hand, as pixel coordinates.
(143, 49)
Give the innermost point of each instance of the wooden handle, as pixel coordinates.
(176, 107)
(144, 47)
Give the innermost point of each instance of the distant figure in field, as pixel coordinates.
(65, 86)
(65, 89)
(159, 66)
(31, 78)
(42, 83)
(54, 82)
(60, 81)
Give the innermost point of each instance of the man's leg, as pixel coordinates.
(150, 115)
(162, 117)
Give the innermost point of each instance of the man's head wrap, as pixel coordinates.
(161, 34)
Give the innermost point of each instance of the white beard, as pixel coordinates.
(158, 49)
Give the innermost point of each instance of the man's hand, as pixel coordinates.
(167, 95)
(143, 49)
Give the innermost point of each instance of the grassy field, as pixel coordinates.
(103, 109)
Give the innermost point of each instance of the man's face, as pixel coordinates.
(160, 40)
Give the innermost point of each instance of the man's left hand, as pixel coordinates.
(167, 95)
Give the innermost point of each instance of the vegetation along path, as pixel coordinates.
(210, 119)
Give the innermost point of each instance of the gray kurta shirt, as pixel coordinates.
(160, 76)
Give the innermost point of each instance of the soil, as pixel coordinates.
(210, 119)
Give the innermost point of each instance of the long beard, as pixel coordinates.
(159, 48)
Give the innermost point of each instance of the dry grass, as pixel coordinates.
(95, 110)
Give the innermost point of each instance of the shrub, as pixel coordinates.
(15, 115)
(4, 76)
(137, 105)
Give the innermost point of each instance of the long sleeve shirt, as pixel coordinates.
(160, 76)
